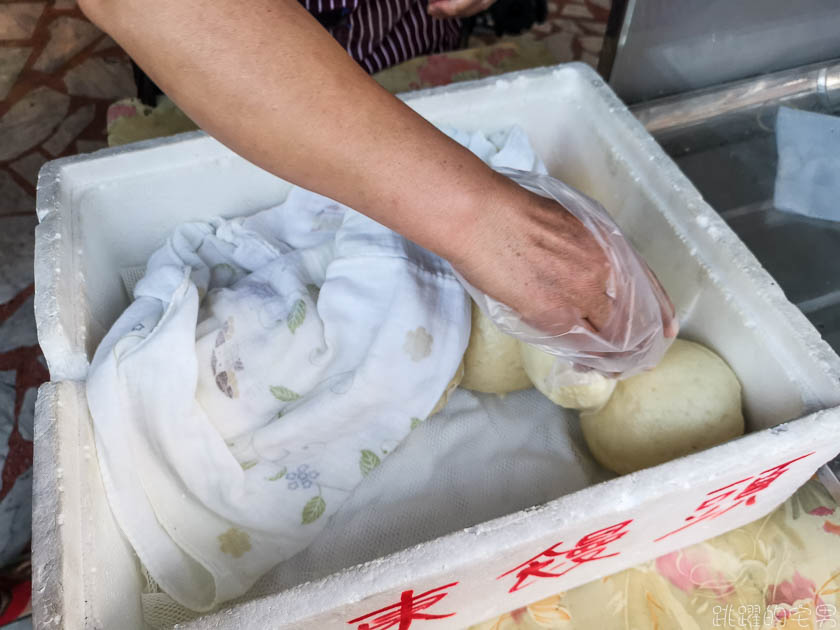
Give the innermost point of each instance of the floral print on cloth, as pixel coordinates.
(418, 344)
(267, 351)
(780, 572)
(270, 348)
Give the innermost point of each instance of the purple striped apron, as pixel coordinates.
(382, 33)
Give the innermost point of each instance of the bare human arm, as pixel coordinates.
(264, 78)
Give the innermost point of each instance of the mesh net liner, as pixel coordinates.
(480, 458)
(131, 276)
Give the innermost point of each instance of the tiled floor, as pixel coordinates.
(58, 75)
(577, 27)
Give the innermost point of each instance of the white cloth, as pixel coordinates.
(482, 457)
(265, 367)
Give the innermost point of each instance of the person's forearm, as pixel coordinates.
(268, 81)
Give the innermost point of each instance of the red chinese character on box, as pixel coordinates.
(729, 497)
(409, 609)
(553, 563)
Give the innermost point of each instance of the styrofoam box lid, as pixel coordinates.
(103, 214)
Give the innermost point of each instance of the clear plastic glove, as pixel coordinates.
(583, 293)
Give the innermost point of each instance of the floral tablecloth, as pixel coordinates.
(779, 572)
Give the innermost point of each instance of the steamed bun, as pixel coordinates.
(689, 402)
(492, 363)
(453, 383)
(592, 393)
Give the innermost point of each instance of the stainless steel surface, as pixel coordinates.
(816, 85)
(829, 87)
(723, 138)
(673, 46)
(829, 475)
(616, 25)
(739, 109)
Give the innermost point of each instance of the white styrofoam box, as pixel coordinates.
(106, 212)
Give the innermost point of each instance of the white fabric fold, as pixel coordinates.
(266, 365)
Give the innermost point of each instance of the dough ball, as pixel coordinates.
(492, 363)
(444, 398)
(592, 393)
(689, 402)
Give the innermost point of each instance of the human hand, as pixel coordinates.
(457, 8)
(532, 255)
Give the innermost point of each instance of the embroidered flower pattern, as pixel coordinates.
(235, 542)
(224, 361)
(303, 477)
(313, 510)
(418, 343)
